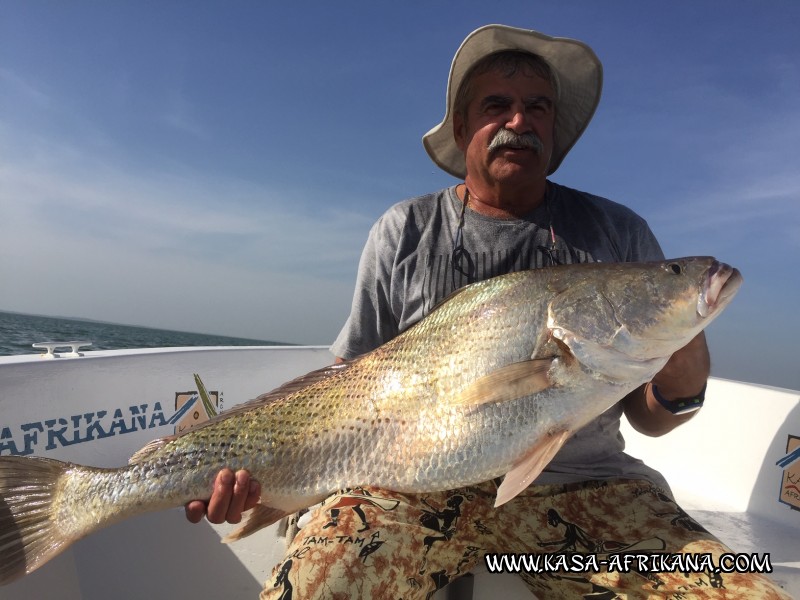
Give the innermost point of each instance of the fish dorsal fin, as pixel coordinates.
(528, 469)
(448, 298)
(291, 387)
(149, 449)
(507, 383)
(286, 389)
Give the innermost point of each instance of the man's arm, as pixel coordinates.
(683, 376)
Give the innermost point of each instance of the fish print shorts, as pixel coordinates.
(376, 544)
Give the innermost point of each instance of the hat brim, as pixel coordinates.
(580, 76)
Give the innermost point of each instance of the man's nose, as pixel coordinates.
(517, 121)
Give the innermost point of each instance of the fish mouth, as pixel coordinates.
(721, 283)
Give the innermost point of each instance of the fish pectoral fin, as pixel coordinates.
(254, 519)
(528, 469)
(507, 383)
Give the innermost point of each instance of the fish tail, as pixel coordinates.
(29, 535)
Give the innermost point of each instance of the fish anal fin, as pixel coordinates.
(507, 383)
(533, 463)
(269, 511)
(254, 519)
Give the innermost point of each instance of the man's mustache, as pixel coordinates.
(507, 138)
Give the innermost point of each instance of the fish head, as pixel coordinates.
(636, 315)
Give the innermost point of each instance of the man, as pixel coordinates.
(517, 101)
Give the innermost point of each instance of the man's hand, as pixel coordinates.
(232, 495)
(686, 372)
(684, 375)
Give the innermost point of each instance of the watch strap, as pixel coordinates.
(680, 406)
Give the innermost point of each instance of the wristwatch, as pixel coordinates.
(680, 406)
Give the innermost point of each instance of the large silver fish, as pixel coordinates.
(491, 383)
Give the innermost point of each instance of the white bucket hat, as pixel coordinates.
(577, 68)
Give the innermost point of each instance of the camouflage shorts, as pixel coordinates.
(373, 543)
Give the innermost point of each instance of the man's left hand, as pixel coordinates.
(684, 375)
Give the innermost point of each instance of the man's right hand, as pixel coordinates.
(232, 495)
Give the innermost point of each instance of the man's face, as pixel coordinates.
(523, 103)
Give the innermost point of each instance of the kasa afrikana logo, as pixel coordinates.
(191, 409)
(790, 482)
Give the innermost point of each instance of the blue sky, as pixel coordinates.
(215, 167)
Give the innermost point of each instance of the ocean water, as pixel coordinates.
(19, 331)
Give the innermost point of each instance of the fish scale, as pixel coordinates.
(492, 382)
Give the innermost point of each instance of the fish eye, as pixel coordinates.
(676, 268)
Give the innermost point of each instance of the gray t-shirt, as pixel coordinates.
(417, 254)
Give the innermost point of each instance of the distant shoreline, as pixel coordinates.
(99, 322)
(18, 331)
